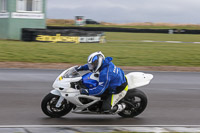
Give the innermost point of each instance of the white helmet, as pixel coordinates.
(95, 61)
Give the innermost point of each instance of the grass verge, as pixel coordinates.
(131, 53)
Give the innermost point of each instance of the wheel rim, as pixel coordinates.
(51, 106)
(133, 105)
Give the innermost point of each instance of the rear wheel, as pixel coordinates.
(136, 102)
(49, 108)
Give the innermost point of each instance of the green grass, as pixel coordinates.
(127, 53)
(154, 36)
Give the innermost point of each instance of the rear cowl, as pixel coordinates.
(138, 79)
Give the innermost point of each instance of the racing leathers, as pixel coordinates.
(111, 81)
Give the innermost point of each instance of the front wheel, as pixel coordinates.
(49, 108)
(136, 102)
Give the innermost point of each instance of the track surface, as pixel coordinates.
(174, 99)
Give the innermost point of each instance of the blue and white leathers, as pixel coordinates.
(110, 77)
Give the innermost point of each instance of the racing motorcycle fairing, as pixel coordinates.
(63, 88)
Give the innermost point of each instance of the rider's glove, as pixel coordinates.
(84, 91)
(78, 68)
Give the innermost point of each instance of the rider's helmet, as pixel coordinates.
(95, 61)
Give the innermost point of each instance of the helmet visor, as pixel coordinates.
(93, 65)
(90, 66)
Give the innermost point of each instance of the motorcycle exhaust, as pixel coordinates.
(118, 108)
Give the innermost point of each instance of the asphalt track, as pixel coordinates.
(174, 99)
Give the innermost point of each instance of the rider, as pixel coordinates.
(112, 81)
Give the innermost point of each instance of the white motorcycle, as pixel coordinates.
(66, 96)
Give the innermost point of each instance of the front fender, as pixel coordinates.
(55, 92)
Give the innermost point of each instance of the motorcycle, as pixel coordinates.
(66, 97)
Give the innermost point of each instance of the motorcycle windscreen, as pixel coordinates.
(88, 82)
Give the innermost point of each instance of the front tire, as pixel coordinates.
(136, 102)
(49, 108)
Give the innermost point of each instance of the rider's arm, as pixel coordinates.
(84, 67)
(104, 80)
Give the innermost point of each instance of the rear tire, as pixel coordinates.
(49, 108)
(136, 102)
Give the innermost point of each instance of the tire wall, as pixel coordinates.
(115, 29)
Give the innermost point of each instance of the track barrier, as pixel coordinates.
(133, 30)
(62, 35)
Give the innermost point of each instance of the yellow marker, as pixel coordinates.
(60, 78)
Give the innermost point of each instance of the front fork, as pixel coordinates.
(61, 98)
(58, 104)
